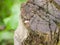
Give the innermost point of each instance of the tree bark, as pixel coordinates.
(39, 23)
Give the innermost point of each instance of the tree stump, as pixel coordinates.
(39, 23)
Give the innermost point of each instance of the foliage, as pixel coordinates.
(9, 17)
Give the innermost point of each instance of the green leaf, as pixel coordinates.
(22, 1)
(5, 35)
(12, 21)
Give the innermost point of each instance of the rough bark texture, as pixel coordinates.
(39, 23)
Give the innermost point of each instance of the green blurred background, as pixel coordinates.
(9, 17)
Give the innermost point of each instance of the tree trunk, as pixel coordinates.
(39, 23)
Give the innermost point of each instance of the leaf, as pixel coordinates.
(5, 35)
(12, 21)
(22, 1)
